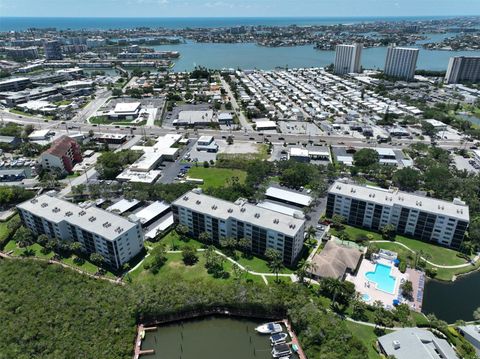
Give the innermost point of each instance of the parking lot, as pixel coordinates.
(467, 164)
(299, 128)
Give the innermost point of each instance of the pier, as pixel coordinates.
(138, 341)
(291, 333)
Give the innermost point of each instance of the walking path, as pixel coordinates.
(477, 257)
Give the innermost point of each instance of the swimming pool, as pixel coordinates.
(366, 297)
(382, 278)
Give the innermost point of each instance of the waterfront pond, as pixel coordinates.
(451, 301)
(210, 337)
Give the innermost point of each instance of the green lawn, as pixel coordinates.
(216, 177)
(367, 336)
(175, 269)
(256, 264)
(63, 102)
(86, 266)
(4, 231)
(439, 255)
(17, 251)
(172, 239)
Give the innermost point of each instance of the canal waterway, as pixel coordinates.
(451, 301)
(211, 337)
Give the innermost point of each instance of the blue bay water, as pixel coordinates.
(252, 56)
(77, 23)
(244, 55)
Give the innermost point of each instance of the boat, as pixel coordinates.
(142, 334)
(278, 338)
(269, 328)
(281, 350)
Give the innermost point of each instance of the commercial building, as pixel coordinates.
(463, 69)
(22, 53)
(348, 59)
(425, 218)
(415, 343)
(195, 118)
(305, 155)
(144, 169)
(401, 62)
(117, 239)
(222, 219)
(437, 125)
(53, 50)
(207, 143)
(15, 84)
(265, 125)
(125, 111)
(63, 154)
(112, 138)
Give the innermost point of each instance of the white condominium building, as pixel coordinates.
(114, 237)
(347, 58)
(463, 68)
(401, 62)
(221, 219)
(425, 218)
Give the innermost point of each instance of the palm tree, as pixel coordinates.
(275, 263)
(304, 268)
(334, 287)
(311, 232)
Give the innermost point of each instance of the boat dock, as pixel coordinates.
(138, 341)
(291, 333)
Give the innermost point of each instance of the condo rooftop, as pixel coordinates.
(91, 219)
(388, 197)
(196, 201)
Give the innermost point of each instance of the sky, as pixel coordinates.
(237, 8)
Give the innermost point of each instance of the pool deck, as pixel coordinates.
(418, 281)
(366, 287)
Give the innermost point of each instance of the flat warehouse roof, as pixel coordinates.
(126, 107)
(150, 212)
(289, 196)
(123, 205)
(279, 208)
(163, 225)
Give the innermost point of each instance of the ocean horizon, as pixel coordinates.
(12, 23)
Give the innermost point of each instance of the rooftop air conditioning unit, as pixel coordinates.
(396, 344)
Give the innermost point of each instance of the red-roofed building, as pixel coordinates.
(63, 154)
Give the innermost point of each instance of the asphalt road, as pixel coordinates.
(335, 139)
